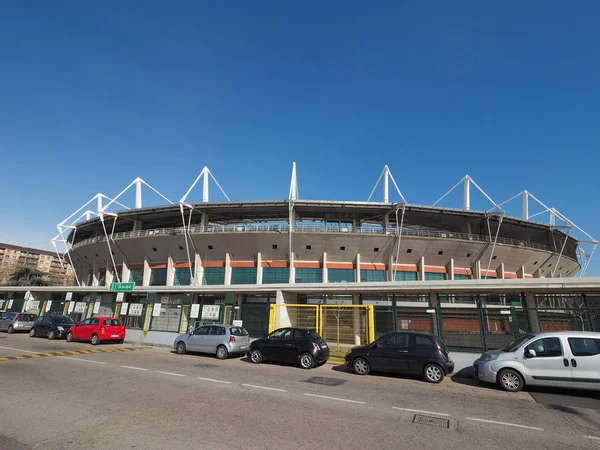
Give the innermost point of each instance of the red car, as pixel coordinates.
(96, 330)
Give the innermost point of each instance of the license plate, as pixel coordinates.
(324, 346)
(114, 335)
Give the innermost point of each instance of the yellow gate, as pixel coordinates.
(341, 326)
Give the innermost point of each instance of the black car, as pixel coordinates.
(403, 352)
(51, 327)
(294, 345)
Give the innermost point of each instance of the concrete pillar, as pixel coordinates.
(110, 276)
(532, 314)
(227, 269)
(521, 272)
(125, 272)
(357, 270)
(324, 267)
(476, 270)
(434, 302)
(137, 225)
(147, 273)
(95, 274)
(537, 274)
(386, 221)
(422, 268)
(356, 320)
(204, 219)
(282, 317)
(259, 268)
(433, 299)
(390, 268)
(198, 270)
(450, 270)
(292, 271)
(170, 271)
(500, 272)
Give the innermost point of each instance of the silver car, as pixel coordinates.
(14, 321)
(569, 359)
(221, 340)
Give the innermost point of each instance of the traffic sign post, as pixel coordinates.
(122, 287)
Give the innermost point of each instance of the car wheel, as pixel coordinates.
(95, 339)
(361, 366)
(180, 348)
(222, 352)
(51, 334)
(307, 361)
(69, 337)
(10, 330)
(32, 332)
(510, 380)
(434, 373)
(256, 356)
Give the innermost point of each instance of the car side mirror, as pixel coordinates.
(531, 353)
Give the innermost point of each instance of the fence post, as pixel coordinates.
(482, 328)
(371, 322)
(272, 316)
(438, 320)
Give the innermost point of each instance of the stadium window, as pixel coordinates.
(274, 246)
(308, 247)
(431, 276)
(213, 276)
(243, 275)
(373, 275)
(494, 257)
(136, 276)
(440, 253)
(158, 277)
(409, 250)
(375, 249)
(183, 277)
(210, 247)
(181, 247)
(154, 249)
(468, 255)
(342, 248)
(341, 275)
(275, 275)
(405, 276)
(309, 275)
(461, 276)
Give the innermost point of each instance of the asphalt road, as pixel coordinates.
(151, 398)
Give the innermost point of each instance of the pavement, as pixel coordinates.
(151, 398)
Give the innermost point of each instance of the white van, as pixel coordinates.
(568, 359)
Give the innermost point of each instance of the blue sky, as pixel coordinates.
(94, 94)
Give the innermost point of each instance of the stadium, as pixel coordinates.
(352, 269)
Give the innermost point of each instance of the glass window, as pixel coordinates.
(113, 323)
(238, 331)
(158, 277)
(94, 322)
(393, 340)
(86, 322)
(276, 275)
(341, 275)
(243, 275)
(183, 276)
(423, 342)
(216, 331)
(405, 276)
(213, 275)
(202, 331)
(461, 276)
(373, 275)
(136, 276)
(283, 334)
(169, 319)
(545, 348)
(300, 334)
(309, 275)
(431, 276)
(584, 346)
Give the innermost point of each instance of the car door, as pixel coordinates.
(585, 362)
(195, 341)
(299, 344)
(77, 330)
(92, 328)
(550, 366)
(422, 350)
(83, 330)
(391, 353)
(212, 339)
(5, 321)
(42, 326)
(273, 345)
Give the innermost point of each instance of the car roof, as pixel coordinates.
(568, 333)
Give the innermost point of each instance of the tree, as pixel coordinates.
(28, 277)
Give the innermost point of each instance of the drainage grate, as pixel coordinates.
(325, 381)
(431, 421)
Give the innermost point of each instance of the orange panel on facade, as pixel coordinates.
(432, 269)
(182, 265)
(158, 266)
(405, 268)
(462, 271)
(136, 266)
(375, 266)
(274, 264)
(308, 265)
(340, 265)
(213, 263)
(509, 275)
(489, 273)
(243, 264)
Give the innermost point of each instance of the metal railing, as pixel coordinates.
(303, 228)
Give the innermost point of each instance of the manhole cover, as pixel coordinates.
(325, 381)
(431, 421)
(206, 366)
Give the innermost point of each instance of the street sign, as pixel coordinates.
(122, 287)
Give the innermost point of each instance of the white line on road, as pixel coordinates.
(170, 373)
(421, 411)
(84, 360)
(334, 398)
(19, 350)
(506, 423)
(214, 381)
(593, 438)
(135, 368)
(264, 387)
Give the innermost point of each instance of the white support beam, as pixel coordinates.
(293, 195)
(138, 193)
(525, 206)
(467, 193)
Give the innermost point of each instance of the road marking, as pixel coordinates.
(83, 360)
(593, 438)
(421, 411)
(63, 353)
(170, 373)
(335, 398)
(214, 381)
(135, 368)
(18, 350)
(265, 387)
(505, 423)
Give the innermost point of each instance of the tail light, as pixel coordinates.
(443, 354)
(316, 346)
(231, 339)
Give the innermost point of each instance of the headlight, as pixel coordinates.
(60, 328)
(489, 357)
(349, 351)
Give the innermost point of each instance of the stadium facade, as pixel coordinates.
(478, 278)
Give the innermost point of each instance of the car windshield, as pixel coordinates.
(63, 319)
(514, 345)
(238, 331)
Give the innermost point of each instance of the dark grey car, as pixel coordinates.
(14, 321)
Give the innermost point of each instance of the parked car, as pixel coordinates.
(13, 322)
(568, 359)
(51, 327)
(293, 345)
(221, 340)
(404, 353)
(96, 330)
